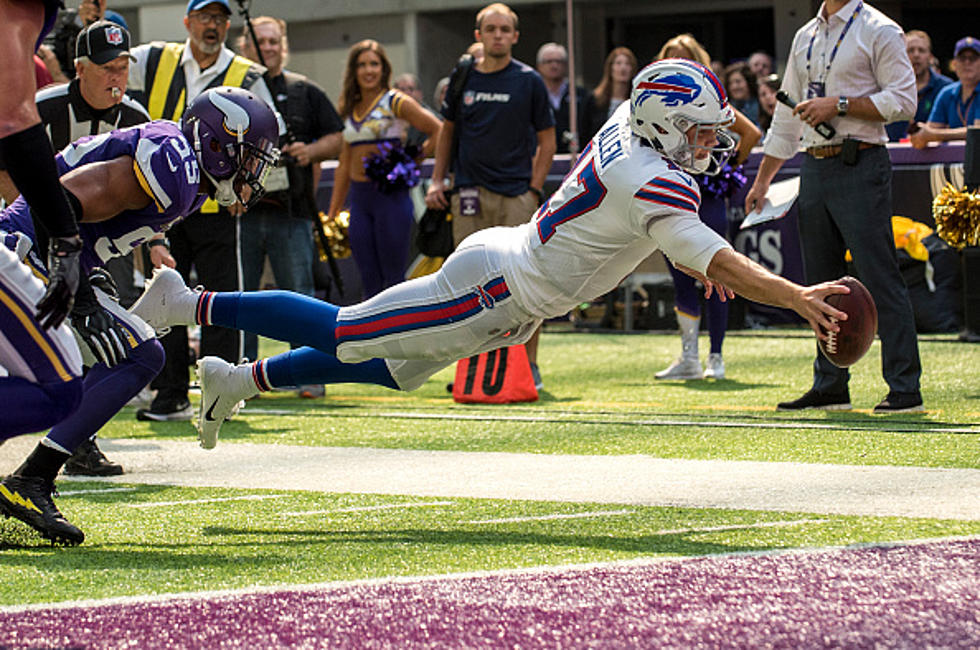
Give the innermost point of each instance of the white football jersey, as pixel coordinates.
(620, 202)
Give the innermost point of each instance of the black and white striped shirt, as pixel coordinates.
(67, 116)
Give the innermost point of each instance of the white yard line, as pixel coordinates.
(187, 502)
(71, 493)
(389, 506)
(569, 515)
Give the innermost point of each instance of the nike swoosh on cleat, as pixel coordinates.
(209, 414)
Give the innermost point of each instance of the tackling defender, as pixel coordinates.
(132, 184)
(629, 194)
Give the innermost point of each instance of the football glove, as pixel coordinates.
(102, 280)
(104, 337)
(64, 274)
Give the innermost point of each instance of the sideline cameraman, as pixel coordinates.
(60, 43)
(280, 225)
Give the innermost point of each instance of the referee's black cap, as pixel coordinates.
(102, 41)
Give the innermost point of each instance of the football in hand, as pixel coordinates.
(846, 347)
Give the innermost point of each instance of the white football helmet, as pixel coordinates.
(668, 98)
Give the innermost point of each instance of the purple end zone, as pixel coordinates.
(913, 596)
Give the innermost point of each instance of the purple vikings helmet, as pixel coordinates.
(668, 98)
(234, 134)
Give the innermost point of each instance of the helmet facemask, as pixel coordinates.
(252, 166)
(717, 155)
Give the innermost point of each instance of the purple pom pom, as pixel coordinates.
(393, 168)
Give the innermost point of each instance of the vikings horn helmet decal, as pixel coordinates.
(236, 120)
(234, 134)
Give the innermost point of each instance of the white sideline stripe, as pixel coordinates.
(570, 515)
(248, 497)
(400, 580)
(71, 493)
(390, 506)
(594, 418)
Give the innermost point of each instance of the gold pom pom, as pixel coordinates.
(957, 216)
(335, 230)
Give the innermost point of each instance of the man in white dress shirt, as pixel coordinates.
(848, 69)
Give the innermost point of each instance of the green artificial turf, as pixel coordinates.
(600, 398)
(157, 539)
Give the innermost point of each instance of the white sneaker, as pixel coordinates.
(714, 367)
(223, 388)
(682, 368)
(167, 301)
(142, 399)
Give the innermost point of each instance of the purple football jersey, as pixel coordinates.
(165, 167)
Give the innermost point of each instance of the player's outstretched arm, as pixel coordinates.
(750, 280)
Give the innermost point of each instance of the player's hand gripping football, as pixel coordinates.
(104, 337)
(63, 277)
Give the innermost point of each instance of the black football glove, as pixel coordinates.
(64, 275)
(98, 329)
(101, 279)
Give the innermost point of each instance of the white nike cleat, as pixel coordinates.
(223, 388)
(714, 367)
(682, 368)
(167, 301)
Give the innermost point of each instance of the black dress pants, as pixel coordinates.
(208, 243)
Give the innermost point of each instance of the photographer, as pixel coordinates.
(58, 51)
(280, 225)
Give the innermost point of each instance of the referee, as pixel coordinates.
(92, 103)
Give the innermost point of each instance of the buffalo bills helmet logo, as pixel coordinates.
(674, 89)
(113, 35)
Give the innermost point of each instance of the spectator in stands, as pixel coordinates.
(928, 83)
(768, 87)
(280, 225)
(165, 78)
(760, 63)
(376, 120)
(409, 84)
(743, 94)
(70, 23)
(713, 211)
(613, 89)
(476, 50)
(439, 94)
(956, 105)
(863, 81)
(506, 140)
(552, 65)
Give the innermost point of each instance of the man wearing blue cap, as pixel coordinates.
(165, 78)
(956, 106)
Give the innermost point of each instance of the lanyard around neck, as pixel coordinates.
(963, 109)
(833, 53)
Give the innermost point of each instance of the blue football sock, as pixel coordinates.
(280, 315)
(38, 406)
(106, 391)
(309, 366)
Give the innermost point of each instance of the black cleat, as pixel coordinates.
(88, 460)
(814, 399)
(28, 498)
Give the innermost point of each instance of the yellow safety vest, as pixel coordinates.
(166, 97)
